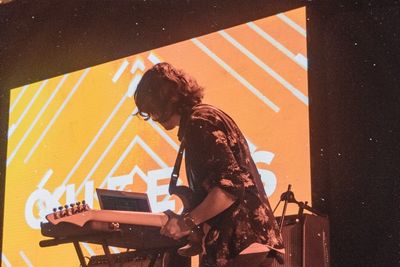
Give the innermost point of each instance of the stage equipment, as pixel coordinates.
(122, 229)
(305, 236)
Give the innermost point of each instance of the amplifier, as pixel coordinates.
(127, 259)
(306, 241)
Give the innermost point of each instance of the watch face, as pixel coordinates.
(189, 221)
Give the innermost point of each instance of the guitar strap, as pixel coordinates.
(175, 172)
(258, 183)
(177, 166)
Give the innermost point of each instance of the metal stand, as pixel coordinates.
(78, 250)
(288, 197)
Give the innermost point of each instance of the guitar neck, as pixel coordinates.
(130, 217)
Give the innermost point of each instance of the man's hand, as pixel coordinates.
(175, 228)
(216, 201)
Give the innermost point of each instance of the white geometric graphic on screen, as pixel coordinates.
(120, 70)
(302, 62)
(5, 260)
(119, 182)
(141, 143)
(138, 65)
(163, 134)
(96, 138)
(267, 177)
(67, 99)
(114, 249)
(236, 75)
(15, 102)
(133, 84)
(292, 24)
(25, 258)
(106, 150)
(88, 249)
(153, 58)
(44, 200)
(42, 195)
(37, 118)
(31, 102)
(11, 130)
(296, 92)
(154, 189)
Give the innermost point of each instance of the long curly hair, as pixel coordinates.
(163, 87)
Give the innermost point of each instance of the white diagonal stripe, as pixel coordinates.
(236, 75)
(166, 137)
(121, 69)
(153, 58)
(114, 249)
(275, 43)
(94, 140)
(25, 258)
(11, 130)
(105, 152)
(296, 92)
(133, 85)
(136, 140)
(23, 90)
(29, 105)
(88, 249)
(163, 134)
(45, 178)
(301, 60)
(151, 153)
(38, 116)
(5, 260)
(292, 24)
(67, 99)
(139, 64)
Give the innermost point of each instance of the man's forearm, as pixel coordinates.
(215, 202)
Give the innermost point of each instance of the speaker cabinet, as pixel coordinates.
(306, 241)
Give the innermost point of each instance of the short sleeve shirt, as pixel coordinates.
(217, 155)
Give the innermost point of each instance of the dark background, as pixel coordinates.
(354, 83)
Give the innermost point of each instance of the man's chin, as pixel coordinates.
(168, 127)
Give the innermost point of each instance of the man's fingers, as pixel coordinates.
(164, 230)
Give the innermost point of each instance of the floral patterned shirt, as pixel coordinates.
(217, 154)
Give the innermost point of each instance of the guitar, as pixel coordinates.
(81, 214)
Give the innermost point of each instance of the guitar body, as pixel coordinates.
(196, 235)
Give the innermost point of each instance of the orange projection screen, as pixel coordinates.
(71, 134)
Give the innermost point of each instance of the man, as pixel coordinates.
(228, 193)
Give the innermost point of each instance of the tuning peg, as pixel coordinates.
(67, 211)
(85, 206)
(56, 213)
(74, 208)
(61, 212)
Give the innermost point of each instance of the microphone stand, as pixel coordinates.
(285, 198)
(288, 197)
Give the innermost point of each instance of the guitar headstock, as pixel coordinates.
(70, 214)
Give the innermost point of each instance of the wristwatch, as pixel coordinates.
(188, 220)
